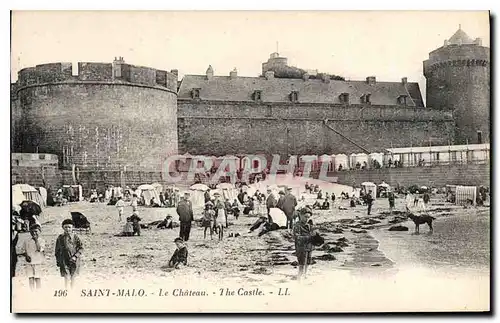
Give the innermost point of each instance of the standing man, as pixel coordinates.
(185, 212)
(270, 202)
(391, 198)
(369, 201)
(288, 207)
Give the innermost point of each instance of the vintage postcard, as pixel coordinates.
(247, 161)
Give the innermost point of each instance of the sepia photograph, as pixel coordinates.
(250, 161)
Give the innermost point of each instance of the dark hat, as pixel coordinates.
(178, 240)
(282, 193)
(67, 221)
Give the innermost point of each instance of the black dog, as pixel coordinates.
(422, 219)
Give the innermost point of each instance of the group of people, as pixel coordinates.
(68, 252)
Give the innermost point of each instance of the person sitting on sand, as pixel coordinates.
(128, 228)
(153, 203)
(208, 220)
(249, 207)
(320, 195)
(353, 202)
(326, 205)
(235, 208)
(180, 254)
(302, 233)
(316, 205)
(167, 223)
(135, 219)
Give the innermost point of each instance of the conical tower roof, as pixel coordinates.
(460, 37)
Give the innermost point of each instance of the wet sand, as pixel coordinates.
(360, 259)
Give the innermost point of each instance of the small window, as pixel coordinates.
(257, 95)
(195, 93)
(367, 98)
(437, 156)
(479, 137)
(294, 96)
(344, 97)
(402, 99)
(269, 111)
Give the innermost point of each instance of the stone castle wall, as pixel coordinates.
(219, 128)
(97, 119)
(458, 78)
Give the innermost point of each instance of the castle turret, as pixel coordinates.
(458, 79)
(274, 61)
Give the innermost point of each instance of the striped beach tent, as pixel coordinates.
(464, 194)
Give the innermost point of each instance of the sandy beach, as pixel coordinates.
(361, 267)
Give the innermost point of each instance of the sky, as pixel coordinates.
(354, 44)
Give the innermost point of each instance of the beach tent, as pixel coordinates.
(341, 159)
(327, 159)
(223, 186)
(463, 194)
(384, 184)
(199, 187)
(197, 199)
(22, 192)
(158, 187)
(148, 192)
(77, 191)
(278, 216)
(116, 192)
(369, 186)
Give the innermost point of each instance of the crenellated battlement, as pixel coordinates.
(118, 72)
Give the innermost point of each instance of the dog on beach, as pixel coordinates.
(421, 219)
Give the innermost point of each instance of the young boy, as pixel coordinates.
(208, 220)
(68, 252)
(34, 253)
(180, 254)
(303, 232)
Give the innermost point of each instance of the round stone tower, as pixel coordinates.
(458, 79)
(98, 115)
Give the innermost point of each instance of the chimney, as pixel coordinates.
(404, 80)
(117, 67)
(325, 78)
(175, 72)
(371, 80)
(305, 77)
(478, 41)
(269, 75)
(446, 42)
(209, 72)
(233, 74)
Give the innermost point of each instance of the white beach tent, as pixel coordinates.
(327, 159)
(158, 187)
(23, 192)
(341, 159)
(465, 193)
(148, 192)
(199, 187)
(378, 157)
